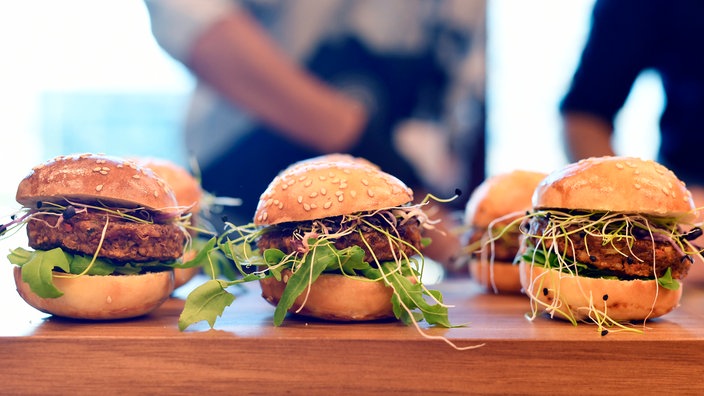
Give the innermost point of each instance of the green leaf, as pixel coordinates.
(413, 296)
(206, 302)
(321, 255)
(667, 282)
(79, 263)
(37, 271)
(19, 256)
(202, 257)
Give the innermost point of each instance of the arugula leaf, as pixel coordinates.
(413, 297)
(206, 302)
(315, 262)
(667, 282)
(37, 269)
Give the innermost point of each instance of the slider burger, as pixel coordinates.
(493, 215)
(332, 238)
(188, 193)
(105, 234)
(605, 241)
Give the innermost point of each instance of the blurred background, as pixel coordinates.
(84, 75)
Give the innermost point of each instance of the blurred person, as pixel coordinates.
(626, 38)
(398, 82)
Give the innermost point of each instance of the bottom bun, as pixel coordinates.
(557, 293)
(101, 297)
(335, 297)
(501, 276)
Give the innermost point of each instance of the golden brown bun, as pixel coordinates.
(618, 184)
(324, 189)
(626, 299)
(185, 187)
(502, 277)
(501, 195)
(334, 157)
(102, 297)
(91, 178)
(335, 297)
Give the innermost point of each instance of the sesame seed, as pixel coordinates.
(338, 193)
(323, 191)
(290, 182)
(306, 206)
(327, 204)
(308, 183)
(637, 186)
(156, 194)
(322, 177)
(300, 199)
(335, 180)
(284, 186)
(98, 187)
(97, 169)
(637, 171)
(105, 168)
(119, 166)
(353, 193)
(103, 172)
(281, 205)
(276, 202)
(340, 198)
(313, 206)
(365, 182)
(330, 174)
(343, 185)
(313, 194)
(265, 215)
(619, 165)
(666, 191)
(136, 176)
(302, 178)
(370, 193)
(100, 161)
(268, 203)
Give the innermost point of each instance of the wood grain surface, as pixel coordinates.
(245, 354)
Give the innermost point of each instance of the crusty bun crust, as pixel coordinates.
(335, 297)
(323, 189)
(621, 300)
(185, 187)
(91, 178)
(618, 184)
(102, 297)
(502, 277)
(501, 195)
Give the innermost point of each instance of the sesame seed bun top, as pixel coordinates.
(617, 184)
(502, 195)
(328, 188)
(93, 178)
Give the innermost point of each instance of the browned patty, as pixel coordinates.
(283, 238)
(617, 256)
(124, 240)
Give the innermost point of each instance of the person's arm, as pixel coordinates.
(586, 135)
(236, 57)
